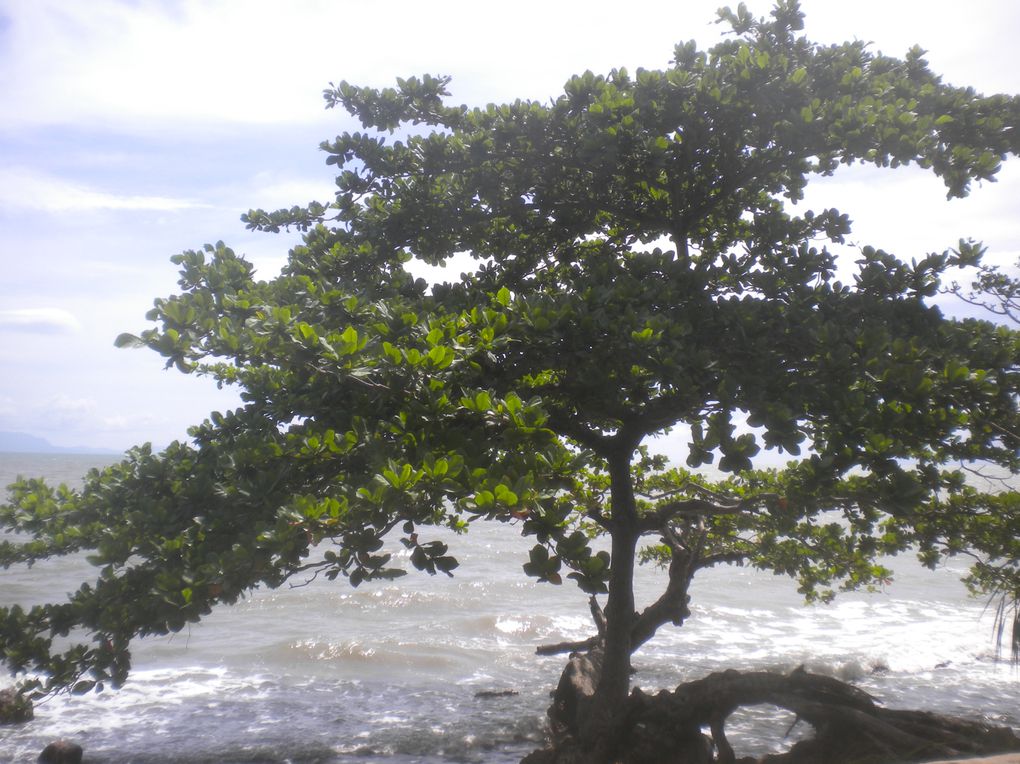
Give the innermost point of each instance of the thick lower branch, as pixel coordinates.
(671, 607)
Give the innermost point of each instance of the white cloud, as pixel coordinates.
(40, 320)
(22, 188)
(261, 61)
(73, 420)
(119, 423)
(66, 410)
(112, 62)
(270, 192)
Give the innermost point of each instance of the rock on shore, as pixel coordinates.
(61, 752)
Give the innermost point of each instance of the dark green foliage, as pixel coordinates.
(636, 270)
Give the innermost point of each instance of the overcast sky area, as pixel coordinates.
(131, 130)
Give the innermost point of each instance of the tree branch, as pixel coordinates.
(583, 645)
(697, 506)
(597, 615)
(671, 606)
(568, 647)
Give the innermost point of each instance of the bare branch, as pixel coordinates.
(585, 644)
(664, 494)
(567, 647)
(597, 615)
(594, 512)
(721, 559)
(699, 507)
(318, 567)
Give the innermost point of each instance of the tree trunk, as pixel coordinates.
(607, 671)
(850, 728)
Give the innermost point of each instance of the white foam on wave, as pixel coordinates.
(149, 706)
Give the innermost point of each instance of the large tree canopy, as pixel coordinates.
(636, 268)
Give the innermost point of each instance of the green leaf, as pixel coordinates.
(441, 357)
(503, 494)
(126, 340)
(446, 564)
(350, 340)
(392, 352)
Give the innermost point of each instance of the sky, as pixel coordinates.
(131, 130)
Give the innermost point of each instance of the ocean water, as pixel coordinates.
(324, 673)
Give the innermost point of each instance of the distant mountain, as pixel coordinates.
(23, 443)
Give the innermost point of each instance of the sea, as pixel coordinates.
(391, 672)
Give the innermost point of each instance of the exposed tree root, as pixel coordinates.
(670, 726)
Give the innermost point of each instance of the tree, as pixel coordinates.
(637, 270)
